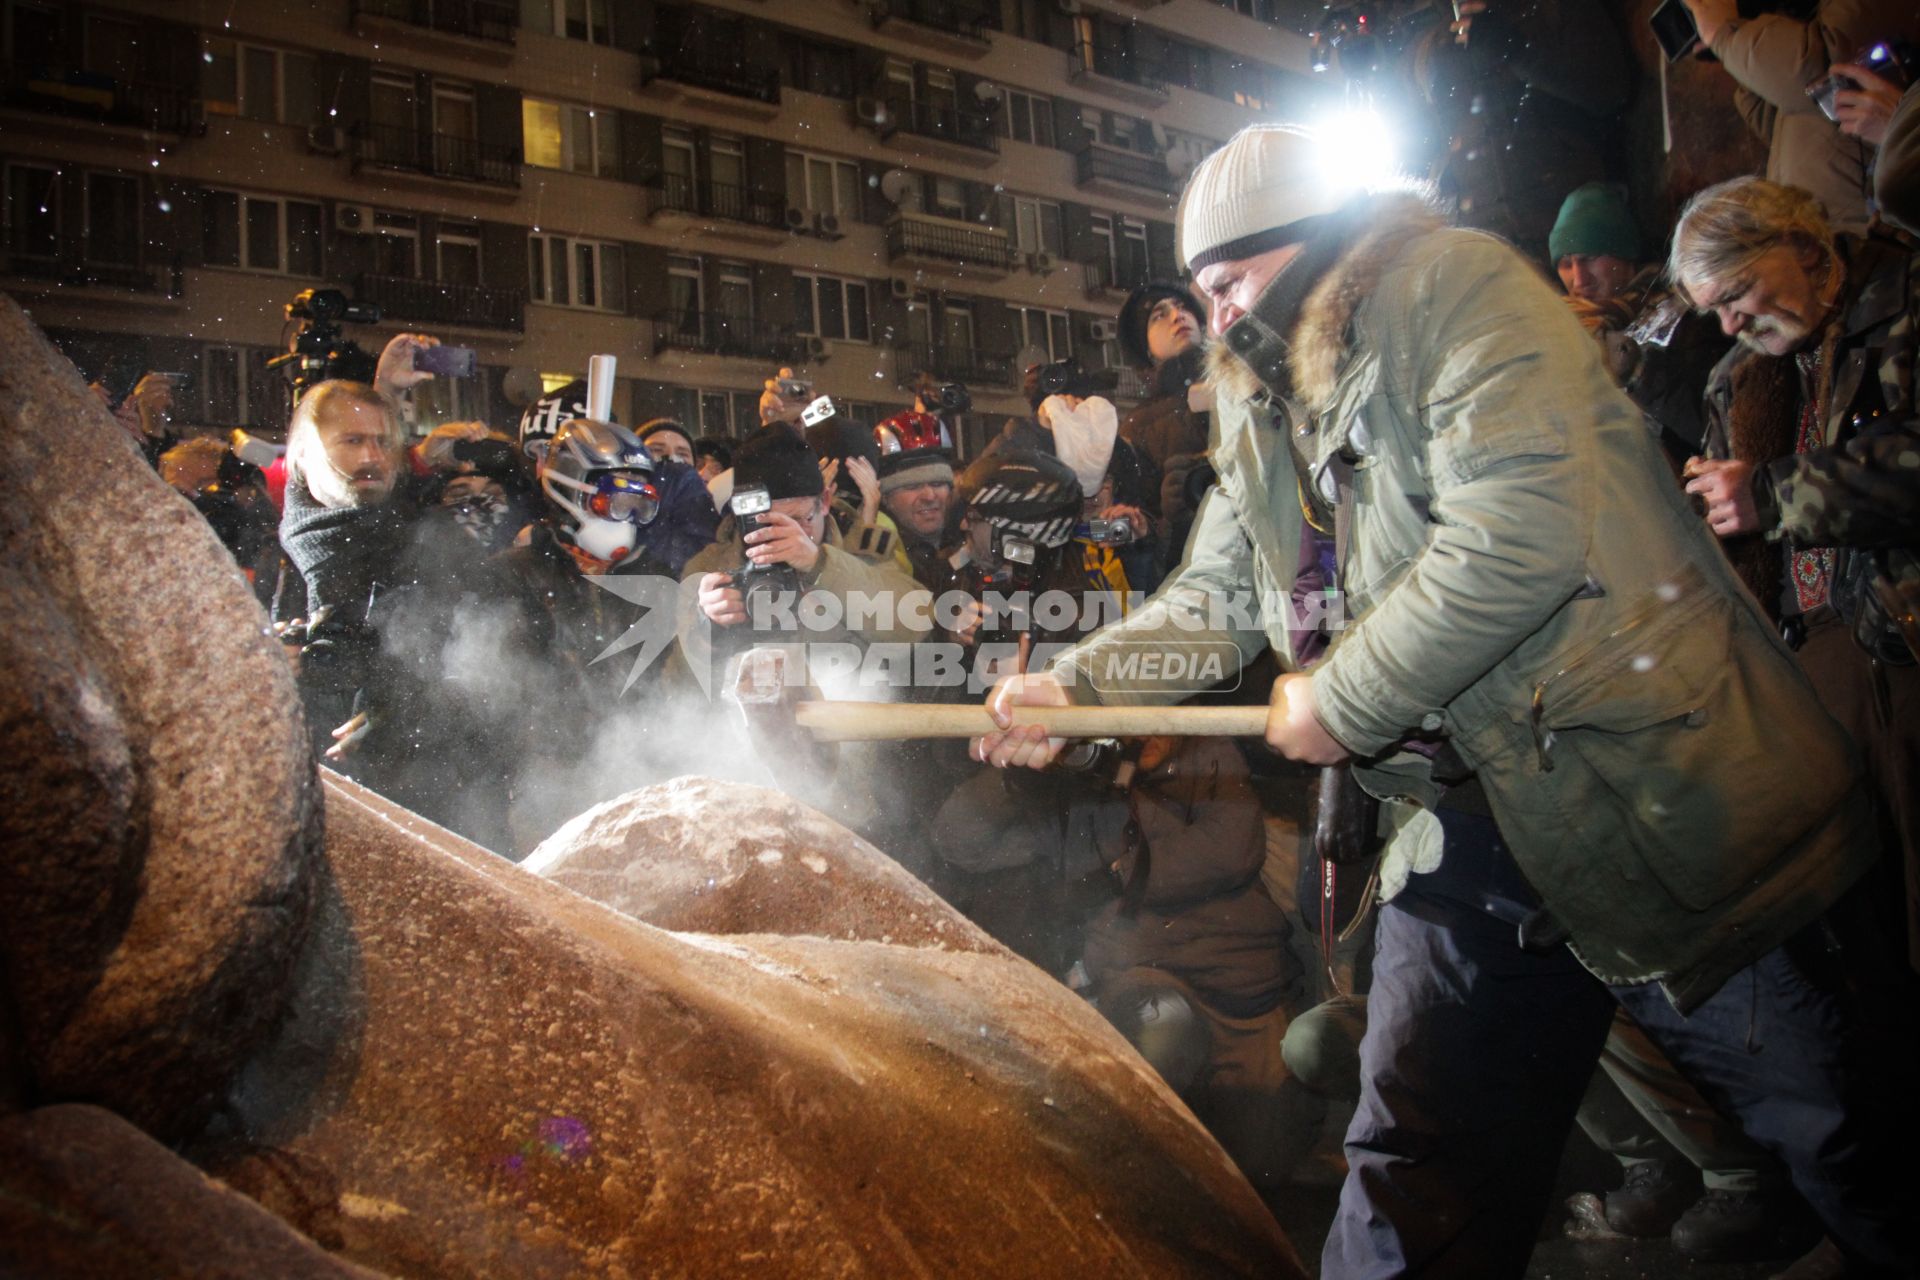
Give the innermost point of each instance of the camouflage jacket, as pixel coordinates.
(1860, 492)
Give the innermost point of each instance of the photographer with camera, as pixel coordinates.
(778, 544)
(1778, 63)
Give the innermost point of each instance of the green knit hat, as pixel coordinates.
(1595, 222)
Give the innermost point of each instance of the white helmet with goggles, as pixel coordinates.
(598, 476)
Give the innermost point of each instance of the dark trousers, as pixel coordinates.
(1477, 1053)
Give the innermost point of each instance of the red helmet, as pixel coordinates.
(911, 432)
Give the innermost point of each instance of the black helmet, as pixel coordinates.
(1023, 494)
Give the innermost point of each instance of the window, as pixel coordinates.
(733, 294)
(1249, 84)
(269, 85)
(1036, 226)
(1133, 261)
(225, 372)
(827, 307)
(727, 172)
(577, 273)
(677, 167)
(822, 184)
(261, 233)
(559, 136)
(1047, 330)
(956, 326)
(396, 244)
(819, 68)
(33, 211)
(36, 38)
(459, 253)
(1026, 118)
(113, 47)
(587, 20)
(947, 197)
(683, 294)
(1188, 65)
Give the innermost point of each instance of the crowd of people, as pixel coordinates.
(1590, 617)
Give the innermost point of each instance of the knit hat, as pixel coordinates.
(1251, 195)
(780, 461)
(658, 425)
(541, 419)
(905, 470)
(1595, 222)
(1139, 306)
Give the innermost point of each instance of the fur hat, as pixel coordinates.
(1251, 195)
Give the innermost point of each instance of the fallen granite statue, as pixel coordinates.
(260, 1021)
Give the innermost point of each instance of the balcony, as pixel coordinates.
(949, 26)
(138, 109)
(1117, 172)
(485, 27)
(933, 129)
(718, 333)
(962, 248)
(678, 202)
(441, 156)
(1107, 280)
(37, 276)
(456, 306)
(1111, 67)
(965, 365)
(713, 78)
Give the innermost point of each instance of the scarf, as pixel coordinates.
(341, 552)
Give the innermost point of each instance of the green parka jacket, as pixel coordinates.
(1523, 578)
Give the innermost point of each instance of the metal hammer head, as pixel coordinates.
(766, 696)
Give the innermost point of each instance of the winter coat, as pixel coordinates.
(1860, 493)
(1194, 906)
(838, 572)
(1774, 58)
(1896, 171)
(1523, 577)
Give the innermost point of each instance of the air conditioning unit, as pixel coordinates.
(326, 139)
(816, 349)
(1040, 262)
(1103, 330)
(827, 225)
(901, 286)
(354, 219)
(796, 219)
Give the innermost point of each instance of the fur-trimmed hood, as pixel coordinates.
(1320, 332)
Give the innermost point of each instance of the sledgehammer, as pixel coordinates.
(774, 713)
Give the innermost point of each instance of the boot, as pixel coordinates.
(1654, 1196)
(1742, 1226)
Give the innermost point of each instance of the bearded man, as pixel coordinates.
(1812, 466)
(1550, 676)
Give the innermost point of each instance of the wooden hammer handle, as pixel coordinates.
(894, 721)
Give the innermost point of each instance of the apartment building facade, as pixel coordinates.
(866, 190)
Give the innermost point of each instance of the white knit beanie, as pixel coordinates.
(1241, 198)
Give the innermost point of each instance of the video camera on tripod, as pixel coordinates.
(319, 352)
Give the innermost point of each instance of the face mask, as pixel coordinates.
(610, 540)
(1084, 437)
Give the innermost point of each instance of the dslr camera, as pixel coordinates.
(760, 582)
